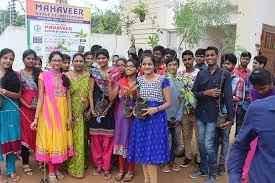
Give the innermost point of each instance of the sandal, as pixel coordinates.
(41, 167)
(97, 172)
(27, 170)
(107, 175)
(119, 176)
(59, 175)
(52, 179)
(14, 178)
(129, 177)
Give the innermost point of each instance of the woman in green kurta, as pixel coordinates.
(80, 97)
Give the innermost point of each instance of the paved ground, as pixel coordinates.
(179, 177)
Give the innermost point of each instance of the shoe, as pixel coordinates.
(176, 168)
(59, 175)
(52, 179)
(107, 175)
(197, 159)
(27, 170)
(166, 169)
(128, 177)
(211, 180)
(197, 174)
(119, 176)
(97, 172)
(221, 171)
(186, 163)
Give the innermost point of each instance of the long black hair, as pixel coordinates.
(35, 71)
(65, 80)
(79, 54)
(10, 81)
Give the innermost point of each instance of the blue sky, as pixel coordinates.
(101, 4)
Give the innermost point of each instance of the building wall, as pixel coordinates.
(254, 14)
(159, 16)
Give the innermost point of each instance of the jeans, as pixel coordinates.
(173, 145)
(222, 138)
(207, 147)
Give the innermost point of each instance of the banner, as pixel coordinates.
(59, 27)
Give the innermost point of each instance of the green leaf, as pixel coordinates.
(194, 17)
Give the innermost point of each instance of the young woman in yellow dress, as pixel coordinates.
(53, 118)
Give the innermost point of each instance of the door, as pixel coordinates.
(268, 46)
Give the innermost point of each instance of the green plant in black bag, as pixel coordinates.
(139, 108)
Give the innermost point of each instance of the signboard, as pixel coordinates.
(57, 27)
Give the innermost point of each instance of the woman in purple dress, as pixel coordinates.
(124, 90)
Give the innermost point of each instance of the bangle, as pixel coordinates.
(158, 109)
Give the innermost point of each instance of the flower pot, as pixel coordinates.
(142, 18)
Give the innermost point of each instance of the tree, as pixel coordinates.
(195, 17)
(153, 40)
(5, 19)
(107, 22)
(20, 20)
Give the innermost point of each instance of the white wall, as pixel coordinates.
(15, 38)
(116, 44)
(254, 14)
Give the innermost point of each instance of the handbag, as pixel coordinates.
(222, 115)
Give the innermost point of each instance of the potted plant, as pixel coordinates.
(153, 40)
(140, 10)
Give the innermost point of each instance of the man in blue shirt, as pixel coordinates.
(259, 122)
(212, 89)
(175, 112)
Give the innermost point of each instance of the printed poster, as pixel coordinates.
(57, 27)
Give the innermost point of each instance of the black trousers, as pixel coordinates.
(25, 154)
(172, 131)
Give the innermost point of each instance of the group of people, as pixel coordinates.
(81, 109)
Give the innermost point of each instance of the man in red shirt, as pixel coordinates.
(243, 72)
(158, 53)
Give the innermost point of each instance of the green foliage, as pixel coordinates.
(20, 20)
(153, 40)
(81, 34)
(5, 20)
(107, 22)
(194, 17)
(140, 10)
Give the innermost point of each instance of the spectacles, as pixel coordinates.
(130, 66)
